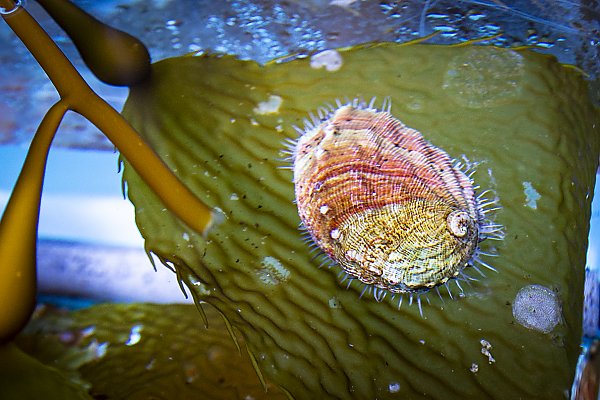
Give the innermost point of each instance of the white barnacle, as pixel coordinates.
(331, 60)
(270, 106)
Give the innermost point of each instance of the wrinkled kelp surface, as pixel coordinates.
(523, 118)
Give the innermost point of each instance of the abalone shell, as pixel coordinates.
(390, 208)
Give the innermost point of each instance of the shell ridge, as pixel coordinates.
(434, 159)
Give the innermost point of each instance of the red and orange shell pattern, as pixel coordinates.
(383, 203)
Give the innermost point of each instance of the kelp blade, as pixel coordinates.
(523, 118)
(139, 351)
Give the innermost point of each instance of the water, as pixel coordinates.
(262, 30)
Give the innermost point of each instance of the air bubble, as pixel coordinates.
(394, 387)
(16, 6)
(135, 335)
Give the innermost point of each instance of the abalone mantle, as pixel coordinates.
(390, 208)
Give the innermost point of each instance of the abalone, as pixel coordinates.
(391, 209)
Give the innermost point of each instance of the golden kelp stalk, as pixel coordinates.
(18, 229)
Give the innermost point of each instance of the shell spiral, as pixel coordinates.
(387, 206)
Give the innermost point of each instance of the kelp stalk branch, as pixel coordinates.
(18, 229)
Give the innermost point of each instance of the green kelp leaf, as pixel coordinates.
(220, 124)
(22, 377)
(146, 351)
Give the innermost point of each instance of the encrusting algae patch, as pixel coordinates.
(316, 336)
